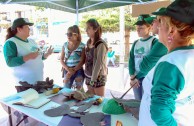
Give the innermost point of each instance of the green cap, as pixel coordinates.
(181, 10)
(112, 107)
(141, 19)
(20, 22)
(149, 20)
(160, 11)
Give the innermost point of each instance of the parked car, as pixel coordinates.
(57, 48)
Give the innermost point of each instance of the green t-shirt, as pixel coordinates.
(157, 51)
(10, 53)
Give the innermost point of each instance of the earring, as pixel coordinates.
(170, 39)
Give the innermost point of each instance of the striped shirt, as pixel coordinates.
(74, 57)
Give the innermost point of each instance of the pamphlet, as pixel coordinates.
(31, 98)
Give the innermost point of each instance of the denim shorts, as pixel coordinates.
(78, 73)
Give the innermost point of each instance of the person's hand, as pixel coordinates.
(70, 72)
(68, 75)
(32, 55)
(48, 52)
(135, 83)
(75, 69)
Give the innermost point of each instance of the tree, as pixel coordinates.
(41, 22)
(109, 20)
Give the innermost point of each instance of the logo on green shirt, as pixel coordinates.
(140, 50)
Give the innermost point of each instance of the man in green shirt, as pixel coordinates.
(157, 50)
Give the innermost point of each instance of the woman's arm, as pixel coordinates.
(167, 84)
(131, 63)
(157, 51)
(82, 61)
(10, 55)
(62, 59)
(48, 52)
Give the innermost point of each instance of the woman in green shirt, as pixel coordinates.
(23, 55)
(168, 98)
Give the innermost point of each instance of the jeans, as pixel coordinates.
(78, 73)
(138, 92)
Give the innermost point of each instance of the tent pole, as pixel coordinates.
(122, 41)
(77, 13)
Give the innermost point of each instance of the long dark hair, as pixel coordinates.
(96, 26)
(11, 32)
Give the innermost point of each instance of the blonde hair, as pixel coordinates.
(186, 31)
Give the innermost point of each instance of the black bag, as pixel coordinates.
(63, 71)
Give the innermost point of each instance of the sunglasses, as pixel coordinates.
(70, 34)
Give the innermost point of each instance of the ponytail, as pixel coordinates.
(10, 33)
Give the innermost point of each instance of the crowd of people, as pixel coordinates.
(26, 59)
(167, 85)
(160, 62)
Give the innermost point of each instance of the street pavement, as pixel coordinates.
(117, 80)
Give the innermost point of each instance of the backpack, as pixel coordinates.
(99, 42)
(96, 45)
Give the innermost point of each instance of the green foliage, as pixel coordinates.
(129, 22)
(39, 20)
(42, 25)
(109, 19)
(40, 8)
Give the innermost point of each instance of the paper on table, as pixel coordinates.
(31, 98)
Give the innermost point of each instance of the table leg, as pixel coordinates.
(10, 117)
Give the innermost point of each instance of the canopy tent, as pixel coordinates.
(77, 6)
